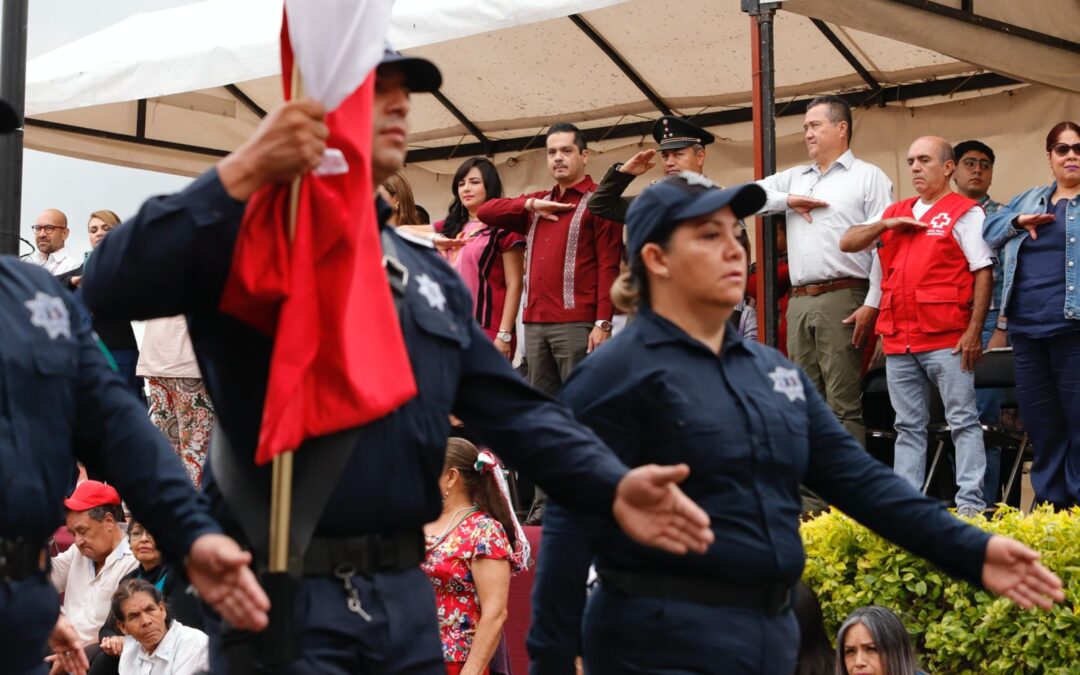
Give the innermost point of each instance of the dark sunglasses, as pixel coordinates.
(1062, 149)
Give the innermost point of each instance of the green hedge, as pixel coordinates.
(957, 629)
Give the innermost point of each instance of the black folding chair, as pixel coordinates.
(997, 371)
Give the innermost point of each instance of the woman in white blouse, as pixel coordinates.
(155, 644)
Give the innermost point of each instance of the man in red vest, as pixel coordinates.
(936, 285)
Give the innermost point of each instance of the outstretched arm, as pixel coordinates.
(842, 473)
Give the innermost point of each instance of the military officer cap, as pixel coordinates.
(673, 133)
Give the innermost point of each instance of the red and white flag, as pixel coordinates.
(339, 359)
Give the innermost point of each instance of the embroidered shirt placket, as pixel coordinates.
(570, 263)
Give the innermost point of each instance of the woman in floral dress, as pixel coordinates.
(472, 549)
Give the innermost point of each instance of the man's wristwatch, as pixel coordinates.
(603, 325)
(505, 336)
(1002, 325)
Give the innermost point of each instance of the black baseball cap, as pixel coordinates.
(9, 121)
(680, 197)
(421, 76)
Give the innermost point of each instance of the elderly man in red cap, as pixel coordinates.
(90, 570)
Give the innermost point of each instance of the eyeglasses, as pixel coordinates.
(48, 229)
(971, 163)
(1062, 149)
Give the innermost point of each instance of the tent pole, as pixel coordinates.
(761, 38)
(13, 91)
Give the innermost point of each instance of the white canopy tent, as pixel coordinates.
(174, 90)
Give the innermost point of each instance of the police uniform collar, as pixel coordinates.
(656, 330)
(845, 160)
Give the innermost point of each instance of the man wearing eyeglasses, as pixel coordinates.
(974, 174)
(50, 233)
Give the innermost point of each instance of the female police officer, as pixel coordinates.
(677, 387)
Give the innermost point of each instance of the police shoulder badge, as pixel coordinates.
(432, 292)
(49, 312)
(787, 382)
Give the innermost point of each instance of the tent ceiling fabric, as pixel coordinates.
(512, 67)
(996, 51)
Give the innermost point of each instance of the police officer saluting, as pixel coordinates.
(61, 403)
(362, 603)
(682, 148)
(677, 386)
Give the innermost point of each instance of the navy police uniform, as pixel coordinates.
(60, 401)
(752, 427)
(173, 258)
(670, 133)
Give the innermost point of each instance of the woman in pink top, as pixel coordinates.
(492, 262)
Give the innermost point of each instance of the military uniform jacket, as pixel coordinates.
(752, 427)
(607, 201)
(173, 258)
(60, 401)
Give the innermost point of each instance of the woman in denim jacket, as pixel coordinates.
(1039, 231)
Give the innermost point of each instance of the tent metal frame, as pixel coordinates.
(519, 144)
(967, 14)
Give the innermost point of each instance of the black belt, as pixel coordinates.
(366, 555)
(21, 557)
(768, 598)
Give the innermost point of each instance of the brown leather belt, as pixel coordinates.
(828, 287)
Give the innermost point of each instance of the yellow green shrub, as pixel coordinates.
(958, 629)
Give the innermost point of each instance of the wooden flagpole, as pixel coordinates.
(281, 482)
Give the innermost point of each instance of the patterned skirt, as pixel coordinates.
(181, 408)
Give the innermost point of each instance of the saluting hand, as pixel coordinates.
(1014, 571)
(652, 510)
(1032, 221)
(803, 205)
(546, 208)
(639, 163)
(288, 143)
(67, 652)
(220, 572)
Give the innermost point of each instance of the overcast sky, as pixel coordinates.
(75, 186)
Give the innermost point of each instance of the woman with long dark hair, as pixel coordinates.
(1038, 230)
(492, 262)
(472, 549)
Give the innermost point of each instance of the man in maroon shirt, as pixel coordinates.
(571, 261)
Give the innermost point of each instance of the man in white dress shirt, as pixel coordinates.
(50, 233)
(832, 307)
(90, 570)
(155, 644)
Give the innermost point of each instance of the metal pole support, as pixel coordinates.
(13, 91)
